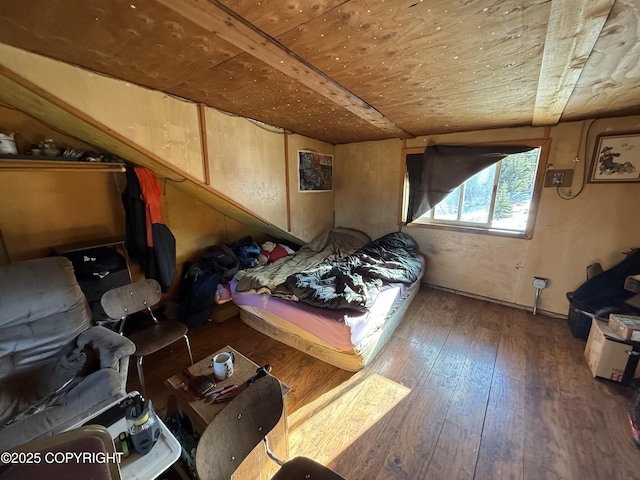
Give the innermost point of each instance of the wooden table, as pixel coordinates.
(257, 465)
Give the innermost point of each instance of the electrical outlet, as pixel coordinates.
(540, 282)
(558, 178)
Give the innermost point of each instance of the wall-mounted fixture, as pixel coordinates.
(558, 178)
(539, 283)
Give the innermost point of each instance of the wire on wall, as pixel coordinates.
(583, 142)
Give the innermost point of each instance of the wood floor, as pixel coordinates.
(464, 389)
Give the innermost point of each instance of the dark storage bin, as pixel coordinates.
(579, 322)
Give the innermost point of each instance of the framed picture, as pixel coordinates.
(616, 159)
(315, 172)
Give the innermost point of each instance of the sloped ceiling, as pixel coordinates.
(346, 71)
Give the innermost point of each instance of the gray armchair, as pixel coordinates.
(56, 369)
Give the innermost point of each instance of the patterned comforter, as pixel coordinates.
(339, 270)
(271, 278)
(353, 282)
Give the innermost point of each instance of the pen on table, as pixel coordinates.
(221, 391)
(223, 399)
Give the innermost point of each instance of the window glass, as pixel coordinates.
(447, 209)
(515, 190)
(478, 190)
(497, 198)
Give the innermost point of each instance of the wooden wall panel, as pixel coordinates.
(597, 225)
(480, 264)
(43, 209)
(311, 213)
(247, 164)
(164, 125)
(197, 226)
(368, 186)
(40, 209)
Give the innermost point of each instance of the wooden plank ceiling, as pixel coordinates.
(346, 71)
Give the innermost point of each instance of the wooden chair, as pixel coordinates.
(121, 302)
(240, 426)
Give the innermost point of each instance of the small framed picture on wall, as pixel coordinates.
(616, 159)
(315, 172)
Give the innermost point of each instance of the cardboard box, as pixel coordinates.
(626, 327)
(610, 357)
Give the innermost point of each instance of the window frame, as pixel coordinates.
(543, 144)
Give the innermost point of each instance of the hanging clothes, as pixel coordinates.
(135, 220)
(142, 200)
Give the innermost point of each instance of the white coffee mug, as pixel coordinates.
(223, 365)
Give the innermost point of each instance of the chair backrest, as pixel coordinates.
(94, 439)
(42, 312)
(238, 428)
(134, 297)
(593, 270)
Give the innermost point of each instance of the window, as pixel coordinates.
(501, 199)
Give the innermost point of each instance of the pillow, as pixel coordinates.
(272, 252)
(278, 252)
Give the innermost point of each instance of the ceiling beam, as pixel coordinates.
(222, 22)
(573, 29)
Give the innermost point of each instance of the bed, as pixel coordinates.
(338, 298)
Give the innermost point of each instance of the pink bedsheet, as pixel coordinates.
(344, 330)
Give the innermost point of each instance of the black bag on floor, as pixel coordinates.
(200, 279)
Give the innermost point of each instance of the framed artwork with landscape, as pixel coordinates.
(315, 171)
(616, 159)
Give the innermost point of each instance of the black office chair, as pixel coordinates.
(120, 302)
(240, 426)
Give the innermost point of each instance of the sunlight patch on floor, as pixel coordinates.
(333, 421)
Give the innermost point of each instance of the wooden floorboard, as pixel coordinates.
(501, 451)
(464, 389)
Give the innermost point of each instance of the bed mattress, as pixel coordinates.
(336, 299)
(342, 330)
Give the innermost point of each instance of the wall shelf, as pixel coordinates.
(18, 163)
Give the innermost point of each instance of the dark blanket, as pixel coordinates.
(605, 293)
(354, 282)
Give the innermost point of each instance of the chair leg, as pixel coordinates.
(270, 454)
(141, 376)
(186, 339)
